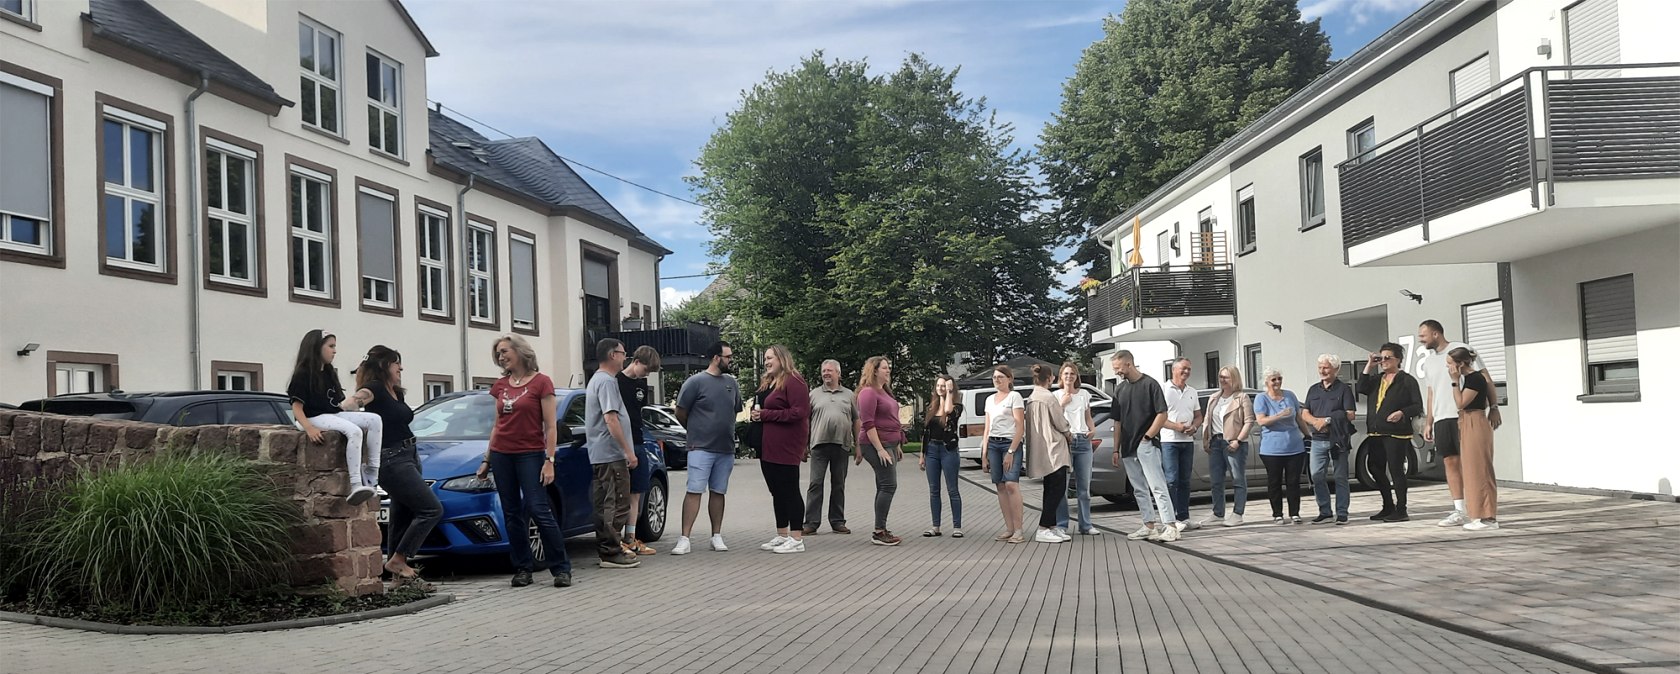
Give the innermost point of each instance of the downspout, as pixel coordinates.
(461, 314)
(194, 329)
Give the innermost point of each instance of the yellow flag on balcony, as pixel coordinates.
(1136, 260)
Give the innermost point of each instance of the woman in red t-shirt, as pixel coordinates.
(521, 457)
(785, 415)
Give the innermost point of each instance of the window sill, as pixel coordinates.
(376, 309)
(387, 156)
(437, 318)
(527, 331)
(21, 21)
(324, 133)
(234, 287)
(1245, 251)
(1592, 398)
(486, 325)
(1307, 227)
(111, 268)
(317, 300)
(26, 257)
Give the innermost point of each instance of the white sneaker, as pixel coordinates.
(1168, 534)
(717, 543)
(1141, 533)
(790, 546)
(1210, 519)
(1481, 525)
(772, 545)
(361, 494)
(1457, 519)
(683, 547)
(1187, 525)
(1091, 531)
(1155, 534)
(1063, 534)
(1233, 520)
(1048, 536)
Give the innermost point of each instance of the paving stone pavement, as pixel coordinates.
(1098, 604)
(1590, 577)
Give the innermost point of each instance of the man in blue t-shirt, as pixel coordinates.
(1329, 414)
(706, 406)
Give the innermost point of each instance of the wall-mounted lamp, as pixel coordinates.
(1545, 48)
(28, 349)
(1412, 296)
(1274, 326)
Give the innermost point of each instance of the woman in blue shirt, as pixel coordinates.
(1278, 413)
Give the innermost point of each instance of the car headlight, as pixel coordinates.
(470, 484)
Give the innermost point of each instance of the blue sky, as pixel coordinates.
(635, 87)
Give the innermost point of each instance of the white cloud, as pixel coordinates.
(667, 220)
(1358, 12)
(670, 297)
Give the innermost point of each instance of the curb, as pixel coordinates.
(433, 601)
(1513, 644)
(1591, 491)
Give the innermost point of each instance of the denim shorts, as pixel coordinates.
(642, 475)
(995, 449)
(709, 471)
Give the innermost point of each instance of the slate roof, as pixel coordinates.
(141, 27)
(528, 167)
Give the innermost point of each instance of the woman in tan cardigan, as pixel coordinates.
(1048, 451)
(1230, 418)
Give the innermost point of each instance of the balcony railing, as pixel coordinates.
(677, 343)
(1170, 292)
(1593, 123)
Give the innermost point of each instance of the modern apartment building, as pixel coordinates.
(187, 187)
(1510, 169)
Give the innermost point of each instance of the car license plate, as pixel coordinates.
(384, 515)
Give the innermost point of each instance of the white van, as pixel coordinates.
(969, 442)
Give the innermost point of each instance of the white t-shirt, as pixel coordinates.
(1078, 403)
(1002, 414)
(1432, 372)
(1181, 408)
(1216, 413)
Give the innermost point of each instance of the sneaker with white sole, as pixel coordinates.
(1210, 520)
(717, 543)
(1048, 536)
(683, 546)
(790, 546)
(1155, 534)
(1093, 531)
(1233, 520)
(1062, 534)
(1457, 519)
(1481, 525)
(1187, 525)
(774, 542)
(361, 494)
(1142, 533)
(1168, 534)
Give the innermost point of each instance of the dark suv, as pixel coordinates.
(178, 408)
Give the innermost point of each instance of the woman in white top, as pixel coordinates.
(1076, 406)
(1006, 420)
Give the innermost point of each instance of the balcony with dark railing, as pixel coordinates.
(1549, 159)
(681, 345)
(1148, 303)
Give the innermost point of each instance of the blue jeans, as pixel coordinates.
(1234, 463)
(1149, 483)
(519, 485)
(1081, 451)
(943, 460)
(1178, 459)
(996, 448)
(1322, 463)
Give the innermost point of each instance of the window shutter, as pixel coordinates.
(1607, 320)
(522, 262)
(1474, 78)
(1484, 331)
(378, 232)
(25, 160)
(1594, 38)
(595, 281)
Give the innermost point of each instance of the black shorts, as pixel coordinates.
(1446, 437)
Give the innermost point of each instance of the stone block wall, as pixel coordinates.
(335, 543)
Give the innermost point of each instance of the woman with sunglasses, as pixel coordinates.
(1393, 400)
(1278, 412)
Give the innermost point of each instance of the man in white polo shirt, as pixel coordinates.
(1178, 440)
(1441, 422)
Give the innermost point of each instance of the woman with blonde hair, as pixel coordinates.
(1006, 422)
(881, 439)
(784, 410)
(1076, 407)
(1229, 420)
(1472, 393)
(1048, 440)
(521, 456)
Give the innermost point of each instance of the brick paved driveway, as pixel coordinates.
(933, 605)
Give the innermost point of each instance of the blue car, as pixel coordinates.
(452, 433)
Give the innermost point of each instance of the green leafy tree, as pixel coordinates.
(862, 215)
(1169, 81)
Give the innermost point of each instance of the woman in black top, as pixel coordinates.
(318, 404)
(1393, 400)
(939, 447)
(1471, 391)
(415, 510)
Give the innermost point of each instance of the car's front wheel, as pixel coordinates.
(651, 526)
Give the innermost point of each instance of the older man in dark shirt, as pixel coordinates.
(1329, 413)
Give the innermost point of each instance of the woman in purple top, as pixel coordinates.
(785, 414)
(881, 440)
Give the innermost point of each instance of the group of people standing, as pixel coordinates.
(1455, 406)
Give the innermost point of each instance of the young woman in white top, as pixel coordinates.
(1076, 406)
(1006, 420)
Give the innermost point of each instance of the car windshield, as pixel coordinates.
(468, 416)
(658, 419)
